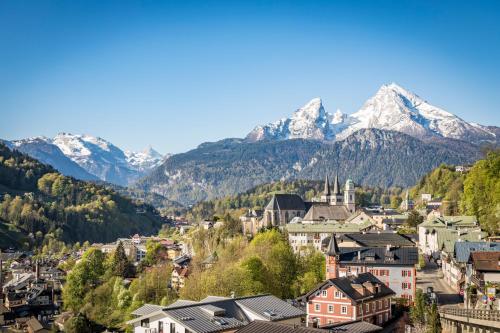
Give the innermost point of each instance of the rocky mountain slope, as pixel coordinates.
(391, 108)
(89, 158)
(369, 157)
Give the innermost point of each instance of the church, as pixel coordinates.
(336, 205)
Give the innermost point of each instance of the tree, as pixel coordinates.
(417, 311)
(414, 219)
(433, 322)
(120, 265)
(78, 324)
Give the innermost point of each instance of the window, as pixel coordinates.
(405, 285)
(386, 315)
(172, 327)
(323, 293)
(330, 321)
(380, 319)
(330, 308)
(343, 309)
(160, 327)
(145, 322)
(360, 309)
(405, 273)
(317, 307)
(337, 294)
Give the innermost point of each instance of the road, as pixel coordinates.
(431, 275)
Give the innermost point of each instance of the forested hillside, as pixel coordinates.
(475, 192)
(39, 205)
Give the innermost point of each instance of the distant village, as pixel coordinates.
(372, 263)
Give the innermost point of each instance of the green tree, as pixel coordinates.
(120, 265)
(433, 322)
(414, 219)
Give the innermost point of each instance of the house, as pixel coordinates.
(214, 314)
(348, 298)
(407, 204)
(302, 235)
(250, 221)
(178, 277)
(34, 326)
(484, 267)
(393, 266)
(438, 230)
(358, 326)
(454, 263)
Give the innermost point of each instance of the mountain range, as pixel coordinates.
(89, 158)
(393, 139)
(391, 108)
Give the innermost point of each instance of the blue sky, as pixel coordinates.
(174, 74)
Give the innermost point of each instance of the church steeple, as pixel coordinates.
(326, 191)
(336, 185)
(332, 258)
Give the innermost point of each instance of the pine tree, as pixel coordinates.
(120, 265)
(433, 322)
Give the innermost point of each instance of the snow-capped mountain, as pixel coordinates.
(391, 108)
(145, 160)
(90, 158)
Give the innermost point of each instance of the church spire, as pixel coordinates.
(333, 248)
(336, 185)
(326, 191)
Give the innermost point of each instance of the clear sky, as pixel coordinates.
(174, 74)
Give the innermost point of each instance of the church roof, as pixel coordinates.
(283, 201)
(324, 211)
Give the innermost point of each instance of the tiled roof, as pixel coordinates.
(378, 240)
(260, 326)
(357, 326)
(486, 261)
(347, 285)
(324, 211)
(328, 227)
(261, 305)
(379, 255)
(464, 249)
(283, 201)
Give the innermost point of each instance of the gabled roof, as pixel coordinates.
(347, 284)
(320, 211)
(399, 256)
(378, 240)
(486, 261)
(463, 249)
(282, 201)
(446, 238)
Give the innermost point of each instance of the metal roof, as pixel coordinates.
(283, 201)
(147, 309)
(328, 227)
(402, 256)
(378, 240)
(320, 211)
(463, 249)
(260, 326)
(357, 326)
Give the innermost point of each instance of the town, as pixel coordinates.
(376, 265)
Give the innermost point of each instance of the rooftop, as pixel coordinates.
(282, 201)
(463, 249)
(486, 261)
(399, 256)
(328, 227)
(378, 240)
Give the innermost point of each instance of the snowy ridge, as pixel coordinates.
(88, 157)
(391, 108)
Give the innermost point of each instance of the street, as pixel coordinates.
(431, 275)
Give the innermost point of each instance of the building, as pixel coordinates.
(438, 230)
(302, 235)
(179, 276)
(214, 314)
(454, 263)
(393, 266)
(407, 203)
(348, 298)
(346, 199)
(281, 209)
(483, 268)
(374, 239)
(250, 221)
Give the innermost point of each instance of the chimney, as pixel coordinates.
(359, 255)
(388, 247)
